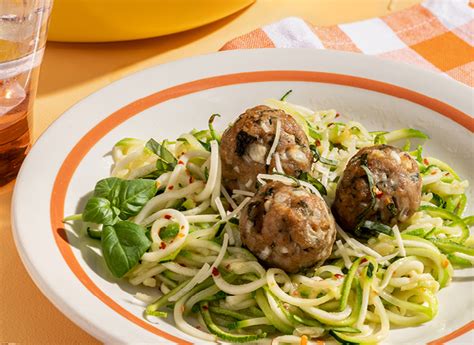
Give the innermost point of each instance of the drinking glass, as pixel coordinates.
(23, 28)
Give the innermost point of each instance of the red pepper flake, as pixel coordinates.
(433, 172)
(215, 271)
(227, 267)
(162, 245)
(205, 307)
(198, 327)
(317, 142)
(170, 187)
(426, 161)
(182, 227)
(378, 192)
(446, 174)
(295, 293)
(363, 260)
(338, 276)
(167, 216)
(191, 179)
(330, 124)
(181, 162)
(337, 114)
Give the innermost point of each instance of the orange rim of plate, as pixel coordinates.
(74, 158)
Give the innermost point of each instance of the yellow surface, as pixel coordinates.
(70, 72)
(119, 20)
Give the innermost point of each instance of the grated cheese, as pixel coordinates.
(220, 207)
(278, 166)
(275, 142)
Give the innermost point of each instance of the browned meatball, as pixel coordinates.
(287, 227)
(396, 190)
(246, 144)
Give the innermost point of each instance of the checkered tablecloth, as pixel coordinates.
(436, 34)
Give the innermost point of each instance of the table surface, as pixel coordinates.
(70, 72)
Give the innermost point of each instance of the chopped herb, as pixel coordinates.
(364, 159)
(392, 208)
(295, 180)
(319, 158)
(310, 179)
(220, 230)
(283, 98)
(370, 270)
(373, 228)
(234, 220)
(361, 217)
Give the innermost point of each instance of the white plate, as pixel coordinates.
(166, 100)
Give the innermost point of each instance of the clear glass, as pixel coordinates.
(23, 29)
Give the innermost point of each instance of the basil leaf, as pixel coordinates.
(153, 146)
(108, 188)
(100, 210)
(123, 245)
(166, 155)
(166, 161)
(133, 194)
(114, 198)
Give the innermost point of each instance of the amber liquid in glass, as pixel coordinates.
(23, 27)
(16, 106)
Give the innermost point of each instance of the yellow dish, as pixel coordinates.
(119, 20)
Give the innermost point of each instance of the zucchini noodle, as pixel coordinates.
(198, 268)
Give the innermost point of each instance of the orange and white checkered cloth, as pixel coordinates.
(436, 34)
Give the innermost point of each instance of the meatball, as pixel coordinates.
(287, 227)
(246, 144)
(396, 188)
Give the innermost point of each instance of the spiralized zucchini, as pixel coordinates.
(197, 262)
